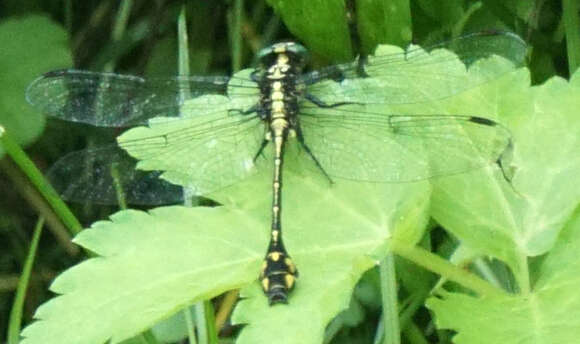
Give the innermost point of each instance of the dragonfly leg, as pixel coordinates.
(300, 138)
(261, 149)
(320, 103)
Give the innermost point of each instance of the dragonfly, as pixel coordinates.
(205, 133)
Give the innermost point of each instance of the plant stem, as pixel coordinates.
(14, 326)
(572, 25)
(226, 308)
(190, 325)
(236, 35)
(389, 298)
(436, 264)
(119, 27)
(37, 179)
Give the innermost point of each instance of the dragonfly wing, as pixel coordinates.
(376, 147)
(203, 153)
(103, 174)
(115, 100)
(418, 74)
(213, 148)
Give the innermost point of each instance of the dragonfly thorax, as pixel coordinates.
(296, 53)
(280, 85)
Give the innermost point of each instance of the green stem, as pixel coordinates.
(523, 277)
(572, 25)
(37, 179)
(204, 316)
(460, 25)
(15, 323)
(183, 48)
(414, 335)
(415, 301)
(205, 321)
(119, 27)
(27, 191)
(236, 35)
(436, 264)
(389, 298)
(190, 325)
(147, 337)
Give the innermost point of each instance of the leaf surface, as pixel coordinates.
(45, 49)
(547, 315)
(151, 265)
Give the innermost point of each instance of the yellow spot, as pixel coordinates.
(278, 125)
(292, 133)
(289, 279)
(279, 48)
(290, 265)
(277, 105)
(265, 284)
(275, 73)
(282, 59)
(277, 86)
(275, 235)
(277, 96)
(264, 266)
(275, 256)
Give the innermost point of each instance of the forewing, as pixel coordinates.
(116, 100)
(211, 149)
(393, 76)
(376, 147)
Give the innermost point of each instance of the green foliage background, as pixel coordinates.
(40, 35)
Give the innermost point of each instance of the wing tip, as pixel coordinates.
(483, 121)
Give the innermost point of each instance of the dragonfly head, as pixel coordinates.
(296, 53)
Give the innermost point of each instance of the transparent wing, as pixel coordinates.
(203, 153)
(103, 174)
(419, 74)
(115, 100)
(398, 148)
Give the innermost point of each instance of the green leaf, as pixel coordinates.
(547, 315)
(152, 265)
(486, 213)
(173, 329)
(45, 49)
(321, 25)
(383, 21)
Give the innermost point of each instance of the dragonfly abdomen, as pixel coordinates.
(279, 104)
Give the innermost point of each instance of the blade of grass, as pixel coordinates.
(570, 15)
(119, 27)
(9, 283)
(14, 326)
(40, 183)
(118, 187)
(236, 35)
(27, 191)
(68, 14)
(205, 319)
(190, 326)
